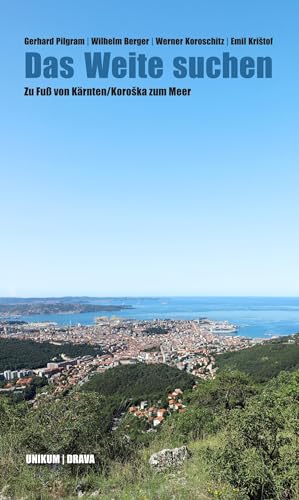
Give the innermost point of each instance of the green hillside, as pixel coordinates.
(139, 382)
(243, 438)
(16, 354)
(263, 362)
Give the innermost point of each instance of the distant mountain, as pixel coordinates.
(37, 308)
(68, 299)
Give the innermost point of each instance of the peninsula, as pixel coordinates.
(38, 308)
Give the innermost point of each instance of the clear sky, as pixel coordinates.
(151, 196)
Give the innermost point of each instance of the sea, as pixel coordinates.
(256, 317)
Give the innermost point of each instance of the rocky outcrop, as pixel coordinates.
(169, 458)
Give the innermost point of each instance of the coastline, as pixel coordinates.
(256, 317)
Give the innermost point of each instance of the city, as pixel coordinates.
(189, 345)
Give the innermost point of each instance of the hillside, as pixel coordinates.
(242, 439)
(16, 354)
(139, 382)
(242, 436)
(262, 362)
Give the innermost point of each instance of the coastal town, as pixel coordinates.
(189, 345)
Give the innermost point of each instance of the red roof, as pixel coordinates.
(24, 381)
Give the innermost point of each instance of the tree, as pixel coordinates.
(75, 424)
(259, 453)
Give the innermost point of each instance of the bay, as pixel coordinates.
(257, 317)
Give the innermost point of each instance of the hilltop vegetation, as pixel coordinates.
(263, 362)
(139, 382)
(16, 354)
(244, 445)
(243, 439)
(243, 436)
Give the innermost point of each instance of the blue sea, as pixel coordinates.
(256, 317)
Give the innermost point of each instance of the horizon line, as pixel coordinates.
(138, 296)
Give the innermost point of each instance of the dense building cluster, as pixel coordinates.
(155, 415)
(189, 345)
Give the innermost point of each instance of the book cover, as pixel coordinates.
(149, 309)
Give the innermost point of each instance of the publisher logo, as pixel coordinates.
(55, 459)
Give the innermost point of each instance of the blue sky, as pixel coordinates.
(151, 196)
